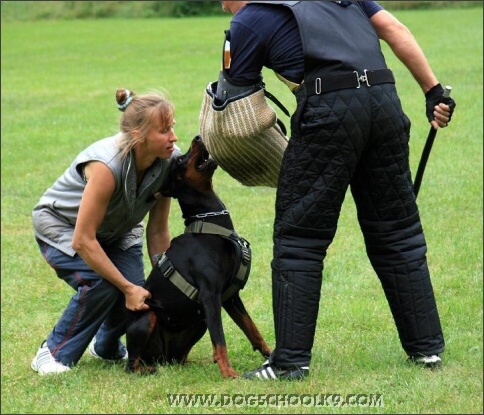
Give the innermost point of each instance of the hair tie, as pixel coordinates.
(127, 102)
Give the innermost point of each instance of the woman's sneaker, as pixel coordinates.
(431, 362)
(268, 372)
(45, 364)
(121, 356)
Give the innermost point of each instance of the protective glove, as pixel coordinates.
(435, 96)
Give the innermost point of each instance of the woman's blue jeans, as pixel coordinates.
(96, 309)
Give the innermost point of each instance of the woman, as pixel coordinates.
(89, 228)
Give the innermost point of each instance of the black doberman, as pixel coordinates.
(201, 272)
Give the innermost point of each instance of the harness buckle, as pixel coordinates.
(246, 256)
(361, 78)
(243, 242)
(245, 248)
(165, 266)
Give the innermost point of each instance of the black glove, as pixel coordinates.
(435, 96)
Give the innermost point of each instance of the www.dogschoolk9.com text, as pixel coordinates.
(275, 400)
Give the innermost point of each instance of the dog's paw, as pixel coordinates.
(140, 368)
(230, 373)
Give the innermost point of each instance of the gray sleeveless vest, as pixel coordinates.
(329, 50)
(55, 215)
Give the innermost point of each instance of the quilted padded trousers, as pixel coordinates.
(355, 138)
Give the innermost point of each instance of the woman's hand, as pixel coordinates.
(136, 297)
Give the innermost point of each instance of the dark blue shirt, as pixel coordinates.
(265, 35)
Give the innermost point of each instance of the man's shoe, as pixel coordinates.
(268, 372)
(45, 364)
(431, 362)
(119, 358)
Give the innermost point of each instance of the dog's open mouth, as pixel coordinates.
(204, 160)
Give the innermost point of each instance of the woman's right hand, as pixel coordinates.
(135, 298)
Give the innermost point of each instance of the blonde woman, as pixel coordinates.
(88, 226)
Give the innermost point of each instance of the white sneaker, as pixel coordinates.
(432, 361)
(45, 364)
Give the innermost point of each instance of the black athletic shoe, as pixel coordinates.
(268, 372)
(430, 362)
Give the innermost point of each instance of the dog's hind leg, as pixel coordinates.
(236, 310)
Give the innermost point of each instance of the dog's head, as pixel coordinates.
(192, 171)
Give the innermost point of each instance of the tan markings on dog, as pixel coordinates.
(221, 357)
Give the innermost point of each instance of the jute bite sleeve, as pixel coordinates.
(242, 136)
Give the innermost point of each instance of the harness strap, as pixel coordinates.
(240, 278)
(165, 266)
(200, 226)
(168, 271)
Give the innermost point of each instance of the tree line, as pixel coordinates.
(59, 10)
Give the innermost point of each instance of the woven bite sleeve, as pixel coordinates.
(243, 137)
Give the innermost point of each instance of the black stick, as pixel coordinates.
(426, 151)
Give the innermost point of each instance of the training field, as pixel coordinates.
(58, 81)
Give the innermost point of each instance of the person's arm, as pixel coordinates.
(405, 47)
(408, 51)
(97, 193)
(157, 230)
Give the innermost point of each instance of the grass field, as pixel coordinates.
(58, 81)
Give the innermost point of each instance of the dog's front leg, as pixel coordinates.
(213, 311)
(220, 356)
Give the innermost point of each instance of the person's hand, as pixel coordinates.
(135, 298)
(439, 109)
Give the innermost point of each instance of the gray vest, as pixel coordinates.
(55, 215)
(329, 50)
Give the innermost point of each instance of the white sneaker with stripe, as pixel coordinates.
(45, 364)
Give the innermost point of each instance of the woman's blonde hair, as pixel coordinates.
(139, 113)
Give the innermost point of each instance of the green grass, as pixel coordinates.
(58, 81)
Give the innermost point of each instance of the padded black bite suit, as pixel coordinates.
(357, 138)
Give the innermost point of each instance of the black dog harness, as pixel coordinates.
(243, 252)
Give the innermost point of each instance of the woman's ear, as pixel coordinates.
(138, 138)
(135, 134)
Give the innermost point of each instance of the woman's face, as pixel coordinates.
(161, 138)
